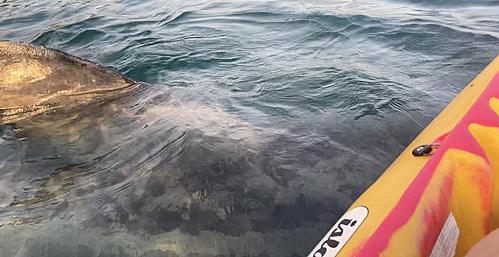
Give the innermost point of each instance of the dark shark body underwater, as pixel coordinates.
(97, 164)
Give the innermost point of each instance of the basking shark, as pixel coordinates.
(83, 145)
(64, 120)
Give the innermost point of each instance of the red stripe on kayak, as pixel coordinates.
(460, 138)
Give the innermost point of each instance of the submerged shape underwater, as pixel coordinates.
(242, 128)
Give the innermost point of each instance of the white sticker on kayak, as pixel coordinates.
(447, 240)
(341, 232)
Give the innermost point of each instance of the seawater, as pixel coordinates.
(265, 121)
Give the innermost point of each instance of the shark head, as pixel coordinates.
(34, 80)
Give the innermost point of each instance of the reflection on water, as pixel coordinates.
(155, 174)
(263, 122)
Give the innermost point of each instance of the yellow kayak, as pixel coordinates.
(441, 195)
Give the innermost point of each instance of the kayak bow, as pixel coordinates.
(439, 203)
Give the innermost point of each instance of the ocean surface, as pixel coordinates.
(264, 122)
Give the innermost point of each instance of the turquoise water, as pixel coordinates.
(265, 121)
